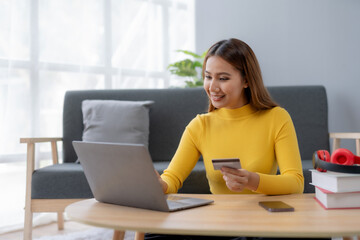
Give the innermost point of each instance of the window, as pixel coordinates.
(48, 47)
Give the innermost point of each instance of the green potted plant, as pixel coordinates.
(188, 68)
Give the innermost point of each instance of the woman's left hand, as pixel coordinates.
(239, 179)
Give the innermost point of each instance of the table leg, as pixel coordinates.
(139, 236)
(351, 238)
(118, 235)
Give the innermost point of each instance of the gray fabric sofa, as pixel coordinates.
(172, 110)
(52, 188)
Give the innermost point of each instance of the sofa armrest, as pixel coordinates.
(40, 139)
(346, 135)
(31, 148)
(30, 161)
(30, 153)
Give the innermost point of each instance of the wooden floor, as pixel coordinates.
(47, 230)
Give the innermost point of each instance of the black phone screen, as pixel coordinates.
(276, 206)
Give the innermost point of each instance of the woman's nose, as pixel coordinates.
(214, 87)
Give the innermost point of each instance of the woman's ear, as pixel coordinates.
(246, 85)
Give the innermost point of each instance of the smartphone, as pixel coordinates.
(226, 162)
(276, 206)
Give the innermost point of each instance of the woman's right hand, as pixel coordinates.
(162, 182)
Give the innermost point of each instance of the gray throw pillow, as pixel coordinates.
(116, 121)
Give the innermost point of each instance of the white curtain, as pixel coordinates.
(50, 46)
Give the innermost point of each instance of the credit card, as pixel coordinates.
(226, 162)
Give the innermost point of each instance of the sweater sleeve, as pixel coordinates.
(185, 158)
(291, 179)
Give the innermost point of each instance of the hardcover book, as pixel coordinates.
(336, 182)
(331, 200)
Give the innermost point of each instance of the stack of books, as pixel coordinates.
(335, 190)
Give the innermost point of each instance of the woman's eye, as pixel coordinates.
(223, 79)
(207, 77)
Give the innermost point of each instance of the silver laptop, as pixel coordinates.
(124, 174)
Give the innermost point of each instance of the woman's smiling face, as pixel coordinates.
(224, 84)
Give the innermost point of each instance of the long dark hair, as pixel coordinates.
(240, 55)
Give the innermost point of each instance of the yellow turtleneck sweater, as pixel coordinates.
(263, 140)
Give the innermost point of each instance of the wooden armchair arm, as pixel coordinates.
(347, 135)
(30, 167)
(38, 140)
(31, 149)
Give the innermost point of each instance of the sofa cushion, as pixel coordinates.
(116, 121)
(172, 110)
(60, 181)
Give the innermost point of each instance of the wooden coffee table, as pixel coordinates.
(229, 215)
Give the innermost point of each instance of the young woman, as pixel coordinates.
(243, 122)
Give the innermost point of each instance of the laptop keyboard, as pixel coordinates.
(175, 202)
(176, 205)
(175, 198)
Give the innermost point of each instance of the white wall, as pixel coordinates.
(297, 42)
